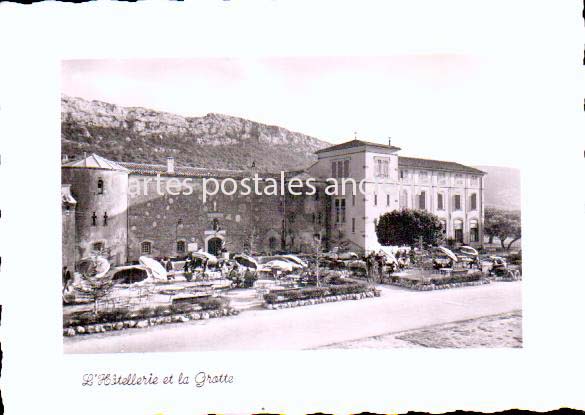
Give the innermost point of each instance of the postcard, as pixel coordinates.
(279, 207)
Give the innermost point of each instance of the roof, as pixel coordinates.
(436, 165)
(355, 143)
(154, 169)
(94, 161)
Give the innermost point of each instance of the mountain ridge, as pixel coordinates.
(138, 134)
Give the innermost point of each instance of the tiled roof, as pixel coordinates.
(93, 161)
(436, 165)
(355, 143)
(154, 169)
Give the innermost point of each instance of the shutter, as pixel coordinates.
(346, 168)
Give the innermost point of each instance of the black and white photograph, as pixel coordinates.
(291, 207)
(226, 230)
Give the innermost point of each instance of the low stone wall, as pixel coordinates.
(328, 299)
(432, 287)
(148, 322)
(507, 278)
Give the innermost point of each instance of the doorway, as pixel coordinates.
(214, 246)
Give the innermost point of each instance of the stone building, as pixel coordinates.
(120, 210)
(451, 191)
(68, 205)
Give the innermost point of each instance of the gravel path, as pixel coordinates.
(500, 330)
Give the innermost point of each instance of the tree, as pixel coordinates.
(93, 286)
(407, 226)
(502, 224)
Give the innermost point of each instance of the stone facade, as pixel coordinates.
(121, 211)
(68, 206)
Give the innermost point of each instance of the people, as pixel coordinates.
(169, 268)
(67, 279)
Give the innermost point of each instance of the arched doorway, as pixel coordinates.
(214, 246)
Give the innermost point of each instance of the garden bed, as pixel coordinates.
(432, 283)
(275, 300)
(123, 318)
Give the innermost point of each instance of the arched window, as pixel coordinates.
(458, 228)
(146, 248)
(473, 231)
(272, 243)
(100, 187)
(97, 246)
(180, 247)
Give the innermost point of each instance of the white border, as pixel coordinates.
(543, 36)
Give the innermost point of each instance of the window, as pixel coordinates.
(422, 199)
(353, 225)
(314, 218)
(387, 200)
(146, 248)
(272, 243)
(403, 174)
(100, 187)
(403, 199)
(97, 246)
(353, 200)
(423, 176)
(442, 178)
(473, 232)
(93, 219)
(473, 202)
(457, 202)
(180, 247)
(319, 218)
(440, 202)
(105, 218)
(340, 168)
(458, 227)
(375, 200)
(382, 167)
(459, 179)
(474, 180)
(339, 210)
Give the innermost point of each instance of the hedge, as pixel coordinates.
(274, 297)
(121, 314)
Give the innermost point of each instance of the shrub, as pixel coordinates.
(314, 292)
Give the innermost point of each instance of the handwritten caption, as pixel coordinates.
(198, 380)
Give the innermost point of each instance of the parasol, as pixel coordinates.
(448, 252)
(153, 268)
(468, 250)
(246, 261)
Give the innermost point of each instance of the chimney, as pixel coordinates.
(389, 141)
(170, 165)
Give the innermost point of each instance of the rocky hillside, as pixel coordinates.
(215, 140)
(502, 187)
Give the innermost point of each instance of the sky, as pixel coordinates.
(449, 106)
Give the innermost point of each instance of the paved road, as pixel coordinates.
(311, 326)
